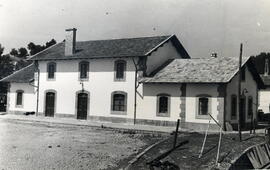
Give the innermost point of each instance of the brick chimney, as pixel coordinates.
(70, 41)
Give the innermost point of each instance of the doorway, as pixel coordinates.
(50, 104)
(242, 111)
(82, 105)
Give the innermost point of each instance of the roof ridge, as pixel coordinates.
(128, 38)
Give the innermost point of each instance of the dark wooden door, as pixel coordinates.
(242, 112)
(82, 106)
(49, 108)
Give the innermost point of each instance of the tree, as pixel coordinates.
(33, 48)
(6, 64)
(259, 61)
(23, 53)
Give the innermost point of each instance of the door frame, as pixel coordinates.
(76, 103)
(55, 99)
(243, 115)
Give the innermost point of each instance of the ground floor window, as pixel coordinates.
(250, 106)
(203, 106)
(119, 102)
(19, 98)
(233, 106)
(163, 105)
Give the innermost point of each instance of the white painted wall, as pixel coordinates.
(157, 58)
(232, 88)
(100, 85)
(193, 90)
(29, 97)
(147, 101)
(264, 100)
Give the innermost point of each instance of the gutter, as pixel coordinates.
(38, 71)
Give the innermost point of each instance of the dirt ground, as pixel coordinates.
(36, 145)
(186, 156)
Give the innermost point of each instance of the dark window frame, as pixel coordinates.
(19, 104)
(250, 106)
(51, 75)
(124, 104)
(234, 109)
(84, 74)
(160, 111)
(123, 78)
(209, 106)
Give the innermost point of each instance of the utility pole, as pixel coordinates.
(239, 93)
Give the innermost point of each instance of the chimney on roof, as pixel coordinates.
(266, 68)
(214, 55)
(70, 41)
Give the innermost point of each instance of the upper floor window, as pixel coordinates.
(163, 105)
(203, 106)
(233, 106)
(19, 98)
(84, 69)
(51, 69)
(120, 70)
(119, 102)
(250, 106)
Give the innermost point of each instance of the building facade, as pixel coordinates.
(148, 80)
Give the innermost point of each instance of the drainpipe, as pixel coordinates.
(38, 74)
(135, 91)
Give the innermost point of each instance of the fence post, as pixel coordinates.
(175, 134)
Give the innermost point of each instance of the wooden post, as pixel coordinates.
(204, 140)
(239, 93)
(176, 132)
(219, 143)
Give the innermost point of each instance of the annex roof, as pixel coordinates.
(128, 47)
(23, 75)
(203, 70)
(266, 80)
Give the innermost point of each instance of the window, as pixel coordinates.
(233, 106)
(250, 106)
(120, 69)
(119, 102)
(19, 99)
(51, 69)
(243, 74)
(203, 106)
(84, 69)
(163, 105)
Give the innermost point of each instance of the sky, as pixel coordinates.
(202, 26)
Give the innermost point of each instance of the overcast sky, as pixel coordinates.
(203, 26)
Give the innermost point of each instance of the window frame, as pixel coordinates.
(250, 110)
(87, 70)
(233, 117)
(209, 106)
(124, 71)
(48, 70)
(125, 103)
(16, 104)
(163, 114)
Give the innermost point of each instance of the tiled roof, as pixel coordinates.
(203, 70)
(23, 75)
(109, 48)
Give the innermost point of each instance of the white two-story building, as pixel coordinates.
(147, 80)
